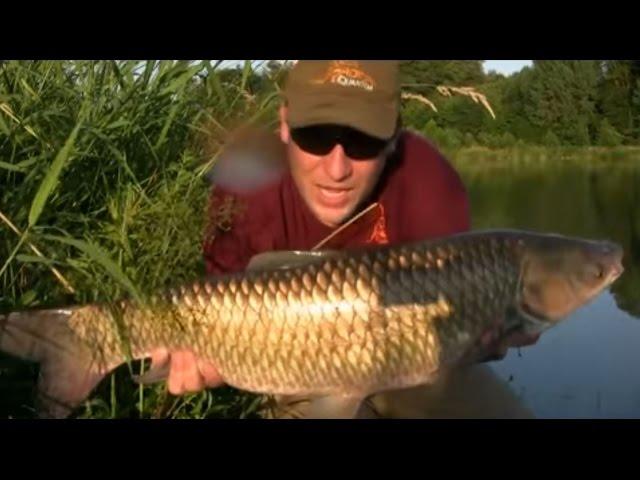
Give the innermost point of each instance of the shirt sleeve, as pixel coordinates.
(456, 199)
(239, 227)
(434, 200)
(226, 246)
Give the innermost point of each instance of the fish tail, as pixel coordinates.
(68, 370)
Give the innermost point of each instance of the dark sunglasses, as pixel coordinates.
(321, 139)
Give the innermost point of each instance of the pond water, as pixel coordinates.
(586, 367)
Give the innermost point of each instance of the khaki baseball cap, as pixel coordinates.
(364, 95)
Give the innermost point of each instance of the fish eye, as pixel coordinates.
(598, 271)
(595, 272)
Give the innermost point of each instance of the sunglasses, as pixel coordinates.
(321, 139)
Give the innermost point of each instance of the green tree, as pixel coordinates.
(452, 138)
(562, 97)
(551, 139)
(458, 113)
(416, 115)
(608, 136)
(515, 100)
(441, 72)
(432, 131)
(635, 105)
(568, 99)
(493, 89)
(507, 140)
(469, 140)
(617, 91)
(462, 114)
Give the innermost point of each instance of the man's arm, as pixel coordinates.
(454, 211)
(428, 193)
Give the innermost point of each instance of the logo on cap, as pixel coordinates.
(347, 73)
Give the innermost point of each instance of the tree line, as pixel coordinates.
(550, 103)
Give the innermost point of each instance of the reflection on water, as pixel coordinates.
(585, 367)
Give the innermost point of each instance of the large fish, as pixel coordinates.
(336, 326)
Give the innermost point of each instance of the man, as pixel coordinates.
(341, 134)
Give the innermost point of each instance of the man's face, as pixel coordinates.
(332, 185)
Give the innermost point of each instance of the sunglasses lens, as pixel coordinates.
(321, 139)
(358, 145)
(317, 140)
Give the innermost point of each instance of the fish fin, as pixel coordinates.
(324, 407)
(68, 371)
(158, 372)
(469, 392)
(285, 259)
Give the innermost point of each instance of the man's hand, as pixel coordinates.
(187, 373)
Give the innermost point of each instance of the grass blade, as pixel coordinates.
(4, 107)
(19, 167)
(181, 80)
(10, 167)
(101, 257)
(24, 258)
(4, 127)
(13, 254)
(50, 180)
(214, 80)
(35, 250)
(245, 74)
(148, 71)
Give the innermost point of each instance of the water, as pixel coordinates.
(587, 366)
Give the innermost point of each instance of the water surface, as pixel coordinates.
(586, 367)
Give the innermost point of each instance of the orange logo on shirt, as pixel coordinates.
(379, 232)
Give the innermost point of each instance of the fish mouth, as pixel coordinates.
(613, 255)
(616, 272)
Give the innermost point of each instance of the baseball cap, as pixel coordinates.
(362, 94)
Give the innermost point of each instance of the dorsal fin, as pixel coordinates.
(284, 259)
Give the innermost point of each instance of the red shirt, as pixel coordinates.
(420, 196)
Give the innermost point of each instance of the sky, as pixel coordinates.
(506, 67)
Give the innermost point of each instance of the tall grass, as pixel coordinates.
(102, 172)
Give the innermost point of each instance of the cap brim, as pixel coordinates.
(376, 119)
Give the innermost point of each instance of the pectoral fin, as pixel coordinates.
(158, 372)
(152, 376)
(326, 407)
